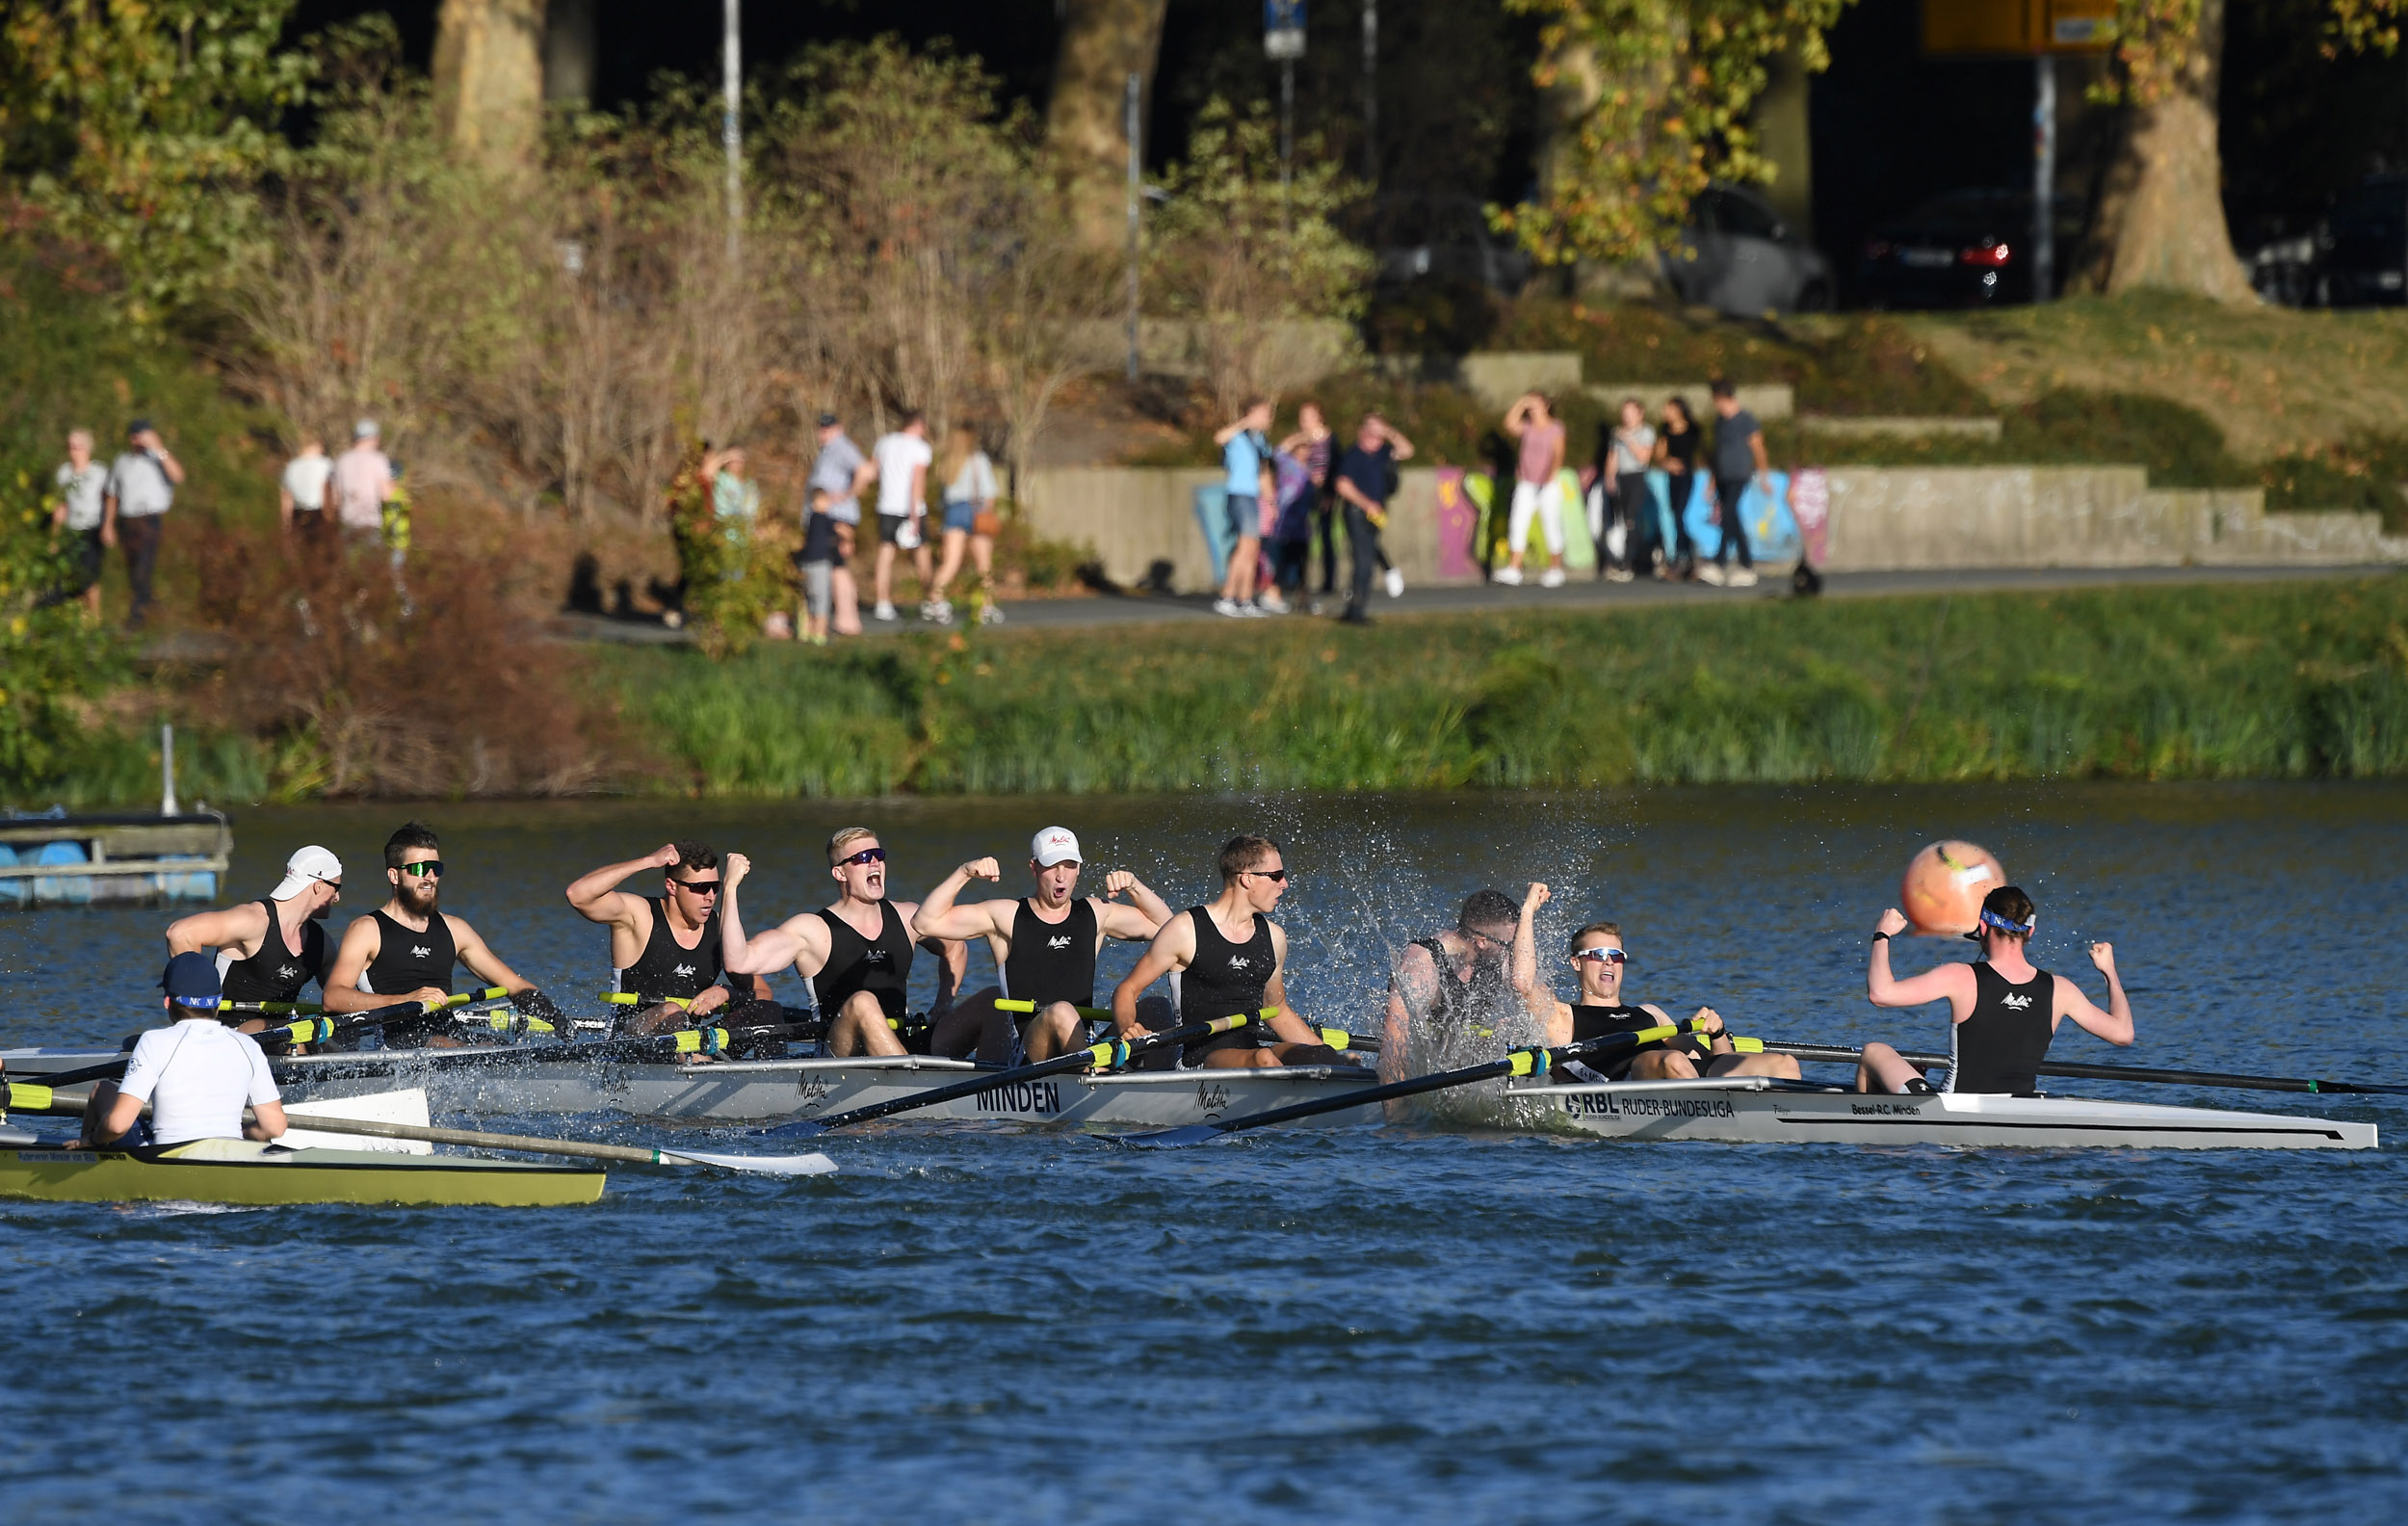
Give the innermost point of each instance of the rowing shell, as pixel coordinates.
(521, 1080)
(1761, 1110)
(224, 1171)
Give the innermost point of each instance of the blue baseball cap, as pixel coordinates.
(191, 980)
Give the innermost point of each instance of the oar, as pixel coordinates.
(38, 1099)
(1334, 1037)
(1101, 1056)
(1516, 1062)
(1843, 1055)
(108, 1071)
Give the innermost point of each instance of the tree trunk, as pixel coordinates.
(488, 77)
(1103, 42)
(571, 42)
(2160, 218)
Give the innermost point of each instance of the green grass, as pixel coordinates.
(2272, 681)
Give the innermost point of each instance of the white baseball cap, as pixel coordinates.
(1055, 845)
(365, 429)
(310, 863)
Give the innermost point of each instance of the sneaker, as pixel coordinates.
(1251, 610)
(1553, 577)
(1353, 617)
(1273, 604)
(1743, 577)
(1620, 575)
(818, 640)
(884, 612)
(1510, 576)
(1396, 584)
(937, 612)
(1709, 572)
(1222, 606)
(991, 615)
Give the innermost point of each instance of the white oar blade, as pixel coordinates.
(762, 1164)
(407, 1107)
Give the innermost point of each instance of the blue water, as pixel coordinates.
(1371, 1326)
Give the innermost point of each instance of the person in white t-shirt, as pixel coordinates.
(196, 1074)
(903, 460)
(301, 495)
(83, 494)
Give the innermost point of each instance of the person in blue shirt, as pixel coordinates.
(1246, 451)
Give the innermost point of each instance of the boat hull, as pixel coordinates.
(1758, 1111)
(247, 1172)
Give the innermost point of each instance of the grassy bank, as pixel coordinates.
(2276, 681)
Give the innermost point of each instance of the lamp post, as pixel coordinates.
(731, 132)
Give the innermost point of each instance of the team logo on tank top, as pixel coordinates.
(2016, 1002)
(421, 952)
(1239, 961)
(1062, 943)
(288, 972)
(682, 971)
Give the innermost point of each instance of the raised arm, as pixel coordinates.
(1228, 432)
(772, 951)
(2115, 1023)
(597, 898)
(1172, 948)
(1396, 440)
(1948, 983)
(1553, 1018)
(938, 917)
(481, 961)
(235, 927)
(1140, 919)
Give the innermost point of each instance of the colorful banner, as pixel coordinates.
(1457, 519)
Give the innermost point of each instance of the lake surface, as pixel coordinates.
(1377, 1325)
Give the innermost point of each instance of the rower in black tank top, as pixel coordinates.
(1999, 1047)
(1225, 980)
(663, 969)
(856, 964)
(1485, 997)
(409, 960)
(275, 973)
(1051, 962)
(1595, 1022)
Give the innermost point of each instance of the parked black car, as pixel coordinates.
(1965, 248)
(1442, 238)
(1737, 257)
(2362, 245)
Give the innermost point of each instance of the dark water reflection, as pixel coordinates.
(1371, 1326)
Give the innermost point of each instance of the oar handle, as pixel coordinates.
(1011, 1004)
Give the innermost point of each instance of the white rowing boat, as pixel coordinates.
(1760, 1110)
(550, 1078)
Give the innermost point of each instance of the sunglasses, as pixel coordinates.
(1280, 874)
(1611, 955)
(697, 886)
(866, 856)
(431, 869)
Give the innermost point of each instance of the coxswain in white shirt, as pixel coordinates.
(196, 1074)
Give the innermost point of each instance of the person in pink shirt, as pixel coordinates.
(1537, 486)
(363, 481)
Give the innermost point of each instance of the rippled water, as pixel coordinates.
(1379, 1324)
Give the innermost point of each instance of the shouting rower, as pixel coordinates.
(1044, 945)
(1450, 981)
(665, 949)
(1231, 960)
(268, 950)
(1598, 958)
(2003, 1012)
(856, 950)
(196, 1074)
(404, 950)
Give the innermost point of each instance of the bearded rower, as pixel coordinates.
(2003, 1012)
(1230, 959)
(268, 951)
(1598, 958)
(665, 949)
(195, 1074)
(856, 950)
(1044, 946)
(404, 950)
(1450, 981)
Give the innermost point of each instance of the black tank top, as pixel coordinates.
(1052, 962)
(408, 960)
(275, 973)
(2000, 1045)
(1484, 996)
(1595, 1022)
(855, 964)
(664, 970)
(1225, 980)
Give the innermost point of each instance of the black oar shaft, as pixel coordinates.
(1840, 1054)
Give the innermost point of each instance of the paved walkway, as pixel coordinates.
(1581, 593)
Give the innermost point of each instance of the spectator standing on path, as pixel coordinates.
(1245, 453)
(82, 511)
(1366, 479)
(970, 523)
(838, 475)
(300, 499)
(141, 487)
(903, 460)
(1738, 459)
(1633, 449)
(1676, 451)
(1537, 486)
(736, 514)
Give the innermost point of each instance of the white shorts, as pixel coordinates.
(1545, 500)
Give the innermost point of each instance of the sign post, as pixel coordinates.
(1283, 42)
